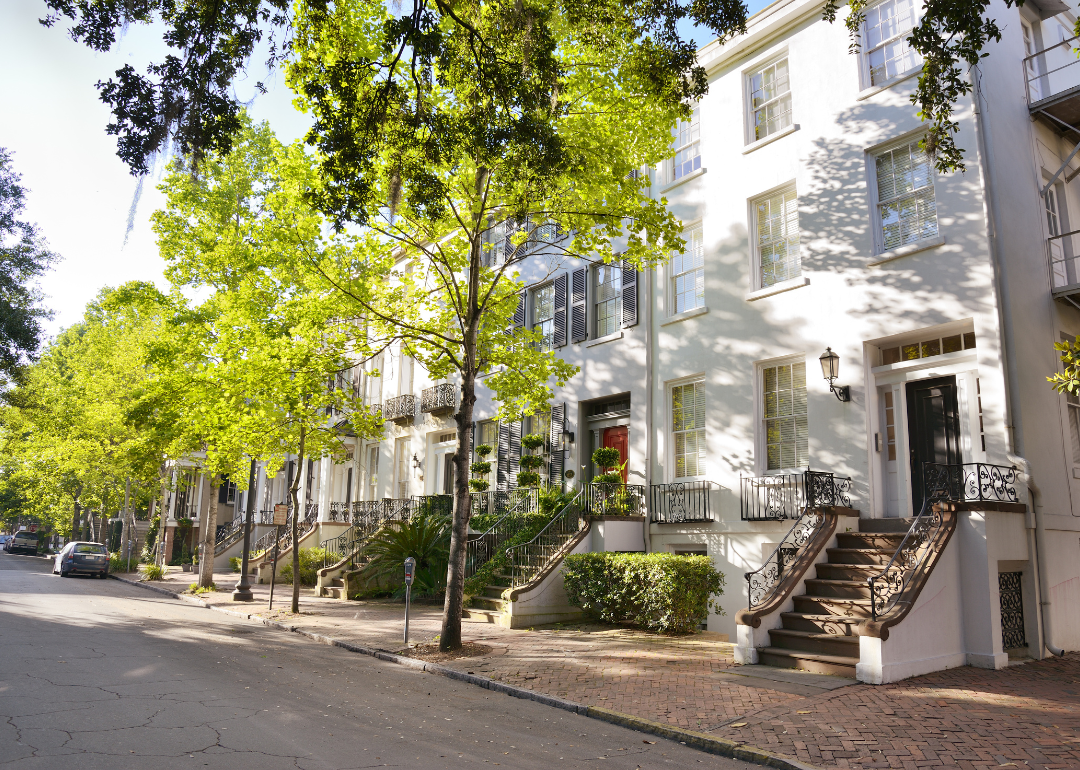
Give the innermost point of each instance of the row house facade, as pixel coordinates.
(819, 234)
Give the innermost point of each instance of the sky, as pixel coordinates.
(80, 193)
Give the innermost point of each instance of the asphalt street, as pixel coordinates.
(100, 674)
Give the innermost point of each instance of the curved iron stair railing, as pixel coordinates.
(480, 549)
(528, 560)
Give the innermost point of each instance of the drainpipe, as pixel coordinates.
(1012, 385)
(649, 438)
(1040, 548)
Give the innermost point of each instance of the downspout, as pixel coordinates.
(1012, 386)
(649, 438)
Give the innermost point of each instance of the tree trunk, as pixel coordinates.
(450, 634)
(163, 515)
(125, 520)
(209, 530)
(296, 525)
(76, 519)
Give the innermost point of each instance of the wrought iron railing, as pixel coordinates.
(761, 584)
(970, 482)
(479, 549)
(614, 500)
(1063, 256)
(438, 398)
(499, 502)
(227, 534)
(786, 496)
(527, 560)
(1052, 71)
(434, 505)
(683, 501)
(399, 407)
(340, 512)
(368, 517)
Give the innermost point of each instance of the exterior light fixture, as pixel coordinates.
(567, 438)
(415, 461)
(830, 369)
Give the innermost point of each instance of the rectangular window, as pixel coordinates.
(685, 136)
(907, 209)
(887, 27)
(688, 429)
(608, 299)
(488, 433)
(787, 442)
(1050, 205)
(770, 100)
(544, 315)
(688, 273)
(890, 426)
(778, 238)
(373, 472)
(492, 243)
(937, 346)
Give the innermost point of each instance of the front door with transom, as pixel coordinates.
(619, 438)
(933, 429)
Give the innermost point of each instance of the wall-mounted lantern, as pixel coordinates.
(830, 368)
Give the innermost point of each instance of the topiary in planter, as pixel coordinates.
(528, 479)
(607, 457)
(478, 485)
(483, 450)
(532, 462)
(481, 469)
(533, 441)
(661, 592)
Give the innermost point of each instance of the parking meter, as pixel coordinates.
(410, 571)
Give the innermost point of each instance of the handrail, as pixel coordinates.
(682, 501)
(484, 546)
(528, 559)
(1044, 75)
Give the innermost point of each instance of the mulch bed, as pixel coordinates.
(432, 654)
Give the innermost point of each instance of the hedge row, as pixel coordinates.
(658, 591)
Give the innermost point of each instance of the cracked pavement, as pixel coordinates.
(99, 674)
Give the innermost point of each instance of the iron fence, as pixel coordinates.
(480, 549)
(527, 560)
(614, 499)
(683, 501)
(786, 496)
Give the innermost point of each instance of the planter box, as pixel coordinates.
(185, 567)
(617, 533)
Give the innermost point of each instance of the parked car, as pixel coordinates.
(4, 540)
(82, 559)
(23, 542)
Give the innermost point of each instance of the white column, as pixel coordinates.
(326, 475)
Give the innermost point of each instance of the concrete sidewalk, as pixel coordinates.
(1028, 715)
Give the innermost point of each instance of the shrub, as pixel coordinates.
(658, 591)
(480, 469)
(311, 561)
(153, 572)
(483, 450)
(194, 588)
(235, 563)
(532, 462)
(534, 522)
(532, 441)
(117, 563)
(478, 485)
(424, 538)
(606, 457)
(528, 479)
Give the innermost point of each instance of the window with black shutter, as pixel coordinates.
(629, 295)
(560, 311)
(579, 326)
(514, 463)
(558, 423)
(502, 460)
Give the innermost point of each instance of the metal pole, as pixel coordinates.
(273, 567)
(408, 591)
(242, 592)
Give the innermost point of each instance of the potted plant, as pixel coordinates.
(480, 468)
(609, 495)
(532, 462)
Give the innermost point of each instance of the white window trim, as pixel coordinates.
(592, 302)
(756, 289)
(670, 276)
(669, 163)
(869, 88)
(669, 432)
(759, 143)
(530, 307)
(760, 439)
(684, 315)
(683, 180)
(880, 254)
(749, 142)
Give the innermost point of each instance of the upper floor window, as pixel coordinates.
(608, 299)
(887, 26)
(906, 206)
(688, 273)
(688, 429)
(544, 315)
(770, 100)
(686, 135)
(778, 254)
(787, 437)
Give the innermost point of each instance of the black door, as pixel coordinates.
(933, 429)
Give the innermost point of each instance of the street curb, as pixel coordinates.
(696, 740)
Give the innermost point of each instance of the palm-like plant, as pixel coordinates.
(426, 538)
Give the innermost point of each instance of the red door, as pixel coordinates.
(619, 438)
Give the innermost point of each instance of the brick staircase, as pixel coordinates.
(819, 635)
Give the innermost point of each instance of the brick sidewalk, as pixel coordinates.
(1026, 716)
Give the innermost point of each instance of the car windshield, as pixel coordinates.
(87, 548)
(21, 536)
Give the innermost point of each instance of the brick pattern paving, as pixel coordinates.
(1026, 717)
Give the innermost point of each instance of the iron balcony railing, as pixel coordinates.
(971, 483)
(340, 512)
(399, 408)
(1053, 71)
(1063, 257)
(614, 500)
(434, 505)
(497, 503)
(438, 399)
(368, 517)
(786, 496)
(683, 501)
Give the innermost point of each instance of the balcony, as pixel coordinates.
(683, 501)
(399, 409)
(438, 400)
(974, 486)
(614, 500)
(1063, 257)
(1052, 79)
(786, 496)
